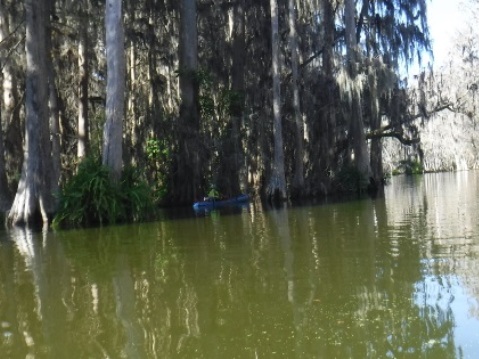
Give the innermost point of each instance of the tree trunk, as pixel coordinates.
(298, 179)
(328, 131)
(133, 113)
(83, 121)
(238, 88)
(53, 103)
(54, 129)
(12, 125)
(34, 195)
(4, 190)
(154, 114)
(377, 172)
(277, 183)
(357, 131)
(115, 88)
(187, 167)
(232, 160)
(322, 151)
(134, 119)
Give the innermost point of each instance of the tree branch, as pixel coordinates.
(399, 135)
(438, 108)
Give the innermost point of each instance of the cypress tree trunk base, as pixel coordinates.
(28, 208)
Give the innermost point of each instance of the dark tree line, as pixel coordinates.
(280, 98)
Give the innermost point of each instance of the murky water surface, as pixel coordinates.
(391, 277)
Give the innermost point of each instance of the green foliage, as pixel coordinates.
(207, 106)
(396, 172)
(135, 195)
(231, 102)
(204, 81)
(156, 149)
(411, 167)
(206, 100)
(91, 198)
(201, 77)
(158, 154)
(228, 102)
(96, 130)
(350, 180)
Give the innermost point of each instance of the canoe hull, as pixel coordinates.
(241, 199)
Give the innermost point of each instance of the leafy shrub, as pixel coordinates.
(350, 180)
(158, 155)
(91, 198)
(411, 166)
(136, 196)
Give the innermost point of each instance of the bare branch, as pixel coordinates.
(424, 113)
(381, 133)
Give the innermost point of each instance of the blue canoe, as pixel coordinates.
(208, 204)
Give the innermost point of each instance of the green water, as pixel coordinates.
(392, 277)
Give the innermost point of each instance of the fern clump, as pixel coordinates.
(91, 198)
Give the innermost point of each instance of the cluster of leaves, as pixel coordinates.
(92, 198)
(410, 167)
(158, 154)
(350, 180)
(228, 103)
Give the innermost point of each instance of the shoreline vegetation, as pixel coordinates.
(113, 109)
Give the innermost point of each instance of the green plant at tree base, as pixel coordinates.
(350, 180)
(136, 196)
(411, 167)
(91, 198)
(158, 155)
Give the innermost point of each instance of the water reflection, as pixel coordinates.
(385, 278)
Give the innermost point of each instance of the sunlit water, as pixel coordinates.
(391, 277)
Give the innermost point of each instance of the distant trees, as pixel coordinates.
(277, 98)
(447, 95)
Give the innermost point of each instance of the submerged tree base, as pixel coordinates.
(276, 196)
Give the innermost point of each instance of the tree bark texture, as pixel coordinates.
(322, 133)
(83, 120)
(232, 160)
(12, 124)
(34, 195)
(187, 168)
(54, 111)
(298, 178)
(277, 183)
(4, 190)
(115, 89)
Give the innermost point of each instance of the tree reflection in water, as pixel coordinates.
(385, 278)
